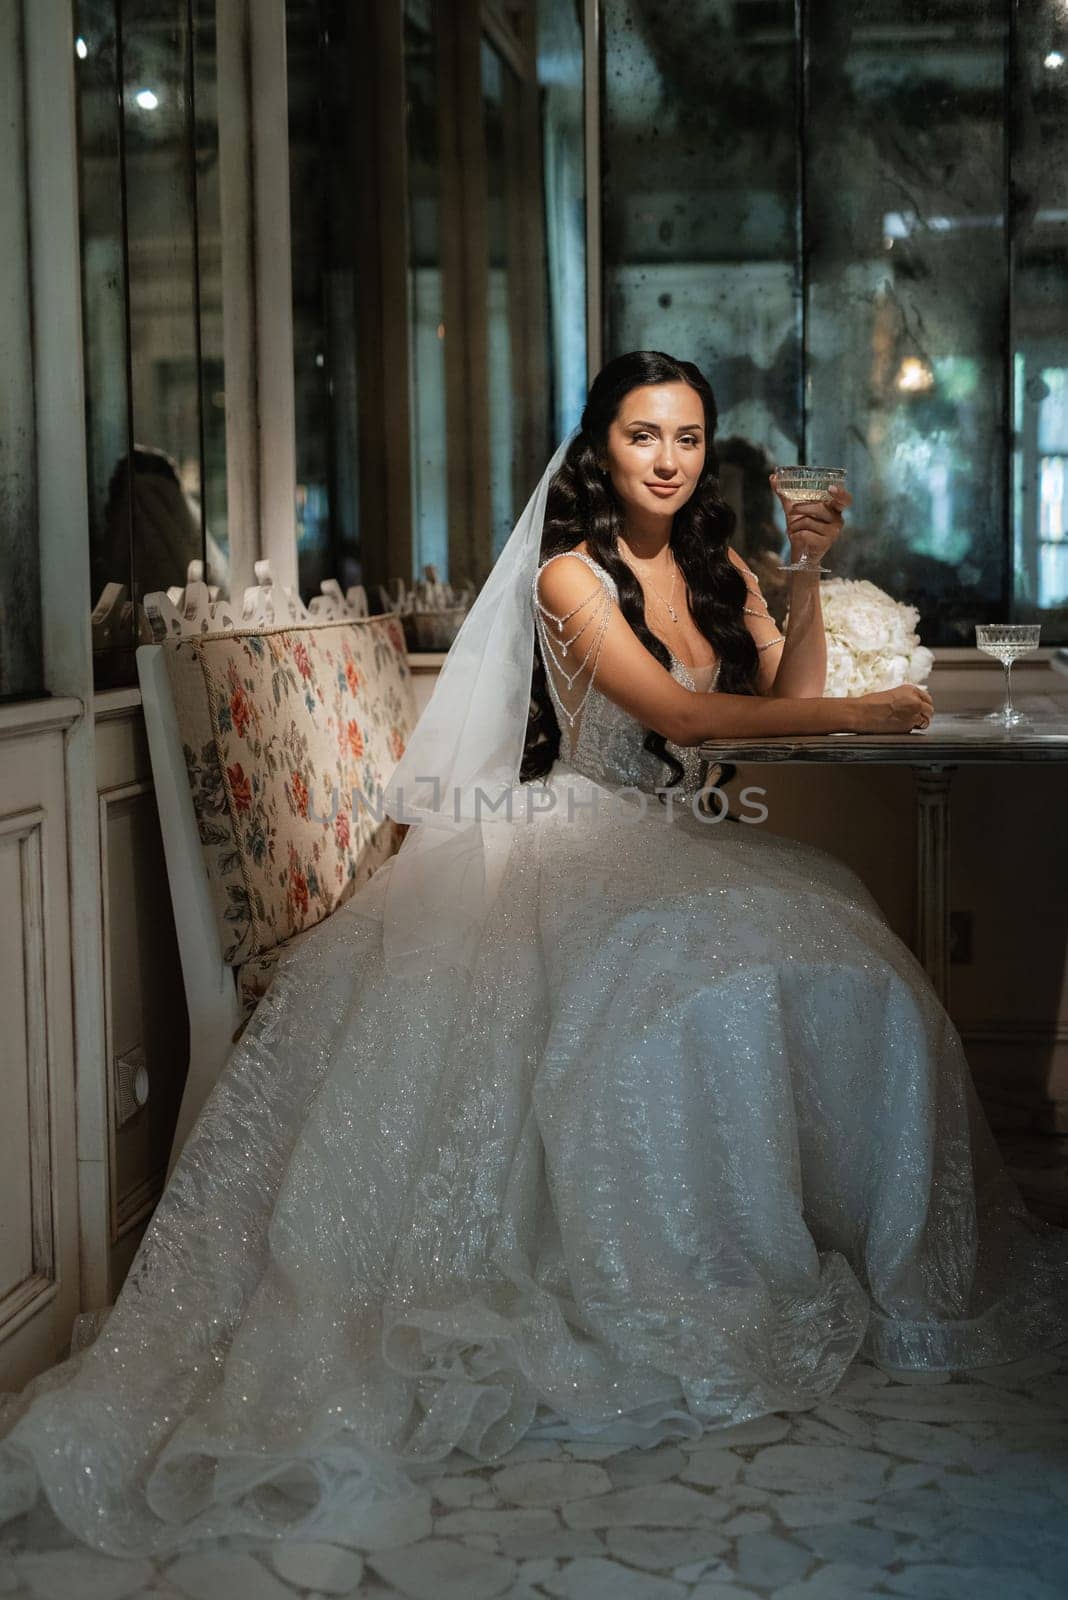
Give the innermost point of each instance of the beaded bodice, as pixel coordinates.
(600, 739)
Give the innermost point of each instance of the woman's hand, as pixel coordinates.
(813, 525)
(897, 710)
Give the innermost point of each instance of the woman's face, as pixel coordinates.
(656, 444)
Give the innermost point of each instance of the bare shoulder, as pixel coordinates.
(738, 562)
(565, 581)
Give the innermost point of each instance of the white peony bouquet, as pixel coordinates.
(872, 641)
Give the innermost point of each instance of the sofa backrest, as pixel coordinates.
(288, 735)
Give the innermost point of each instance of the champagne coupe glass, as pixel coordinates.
(798, 484)
(1006, 642)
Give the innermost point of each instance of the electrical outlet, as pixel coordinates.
(131, 1085)
(960, 937)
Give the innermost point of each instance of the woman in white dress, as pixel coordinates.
(589, 1115)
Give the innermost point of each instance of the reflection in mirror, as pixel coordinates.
(152, 304)
(699, 136)
(500, 114)
(426, 295)
(838, 258)
(906, 286)
(321, 36)
(560, 81)
(1040, 317)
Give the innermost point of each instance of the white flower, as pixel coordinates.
(872, 641)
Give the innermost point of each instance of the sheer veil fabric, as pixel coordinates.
(462, 758)
(621, 1131)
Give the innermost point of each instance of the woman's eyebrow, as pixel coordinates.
(691, 427)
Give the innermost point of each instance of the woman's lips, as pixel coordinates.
(664, 488)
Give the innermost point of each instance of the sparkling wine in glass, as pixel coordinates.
(798, 484)
(1006, 642)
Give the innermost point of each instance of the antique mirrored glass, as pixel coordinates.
(1039, 152)
(500, 114)
(164, 476)
(321, 36)
(152, 309)
(700, 215)
(427, 329)
(906, 292)
(561, 62)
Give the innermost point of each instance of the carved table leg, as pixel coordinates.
(932, 873)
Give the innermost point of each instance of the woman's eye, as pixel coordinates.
(686, 438)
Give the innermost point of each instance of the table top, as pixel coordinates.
(953, 738)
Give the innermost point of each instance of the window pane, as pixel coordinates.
(20, 595)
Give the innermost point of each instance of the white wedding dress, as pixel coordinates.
(693, 1133)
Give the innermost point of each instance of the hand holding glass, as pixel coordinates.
(1006, 641)
(797, 485)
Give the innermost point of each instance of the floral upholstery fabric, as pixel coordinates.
(253, 979)
(289, 734)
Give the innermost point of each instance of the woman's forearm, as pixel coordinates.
(802, 670)
(752, 716)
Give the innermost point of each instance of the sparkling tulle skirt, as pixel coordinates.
(695, 1133)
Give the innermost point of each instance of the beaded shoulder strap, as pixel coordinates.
(750, 611)
(563, 669)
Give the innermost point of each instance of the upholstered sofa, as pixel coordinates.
(269, 747)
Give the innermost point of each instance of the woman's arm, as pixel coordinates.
(630, 676)
(769, 641)
(794, 665)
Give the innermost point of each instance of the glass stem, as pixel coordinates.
(1008, 688)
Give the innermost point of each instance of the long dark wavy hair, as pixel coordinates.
(582, 504)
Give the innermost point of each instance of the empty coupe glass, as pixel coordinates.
(1007, 641)
(798, 484)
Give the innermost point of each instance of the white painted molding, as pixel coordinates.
(23, 831)
(63, 524)
(274, 289)
(20, 718)
(238, 288)
(257, 288)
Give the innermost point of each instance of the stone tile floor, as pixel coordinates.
(951, 1489)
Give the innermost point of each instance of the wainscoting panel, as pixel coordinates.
(39, 1260)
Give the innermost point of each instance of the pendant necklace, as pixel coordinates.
(660, 597)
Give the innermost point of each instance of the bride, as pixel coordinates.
(595, 1113)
